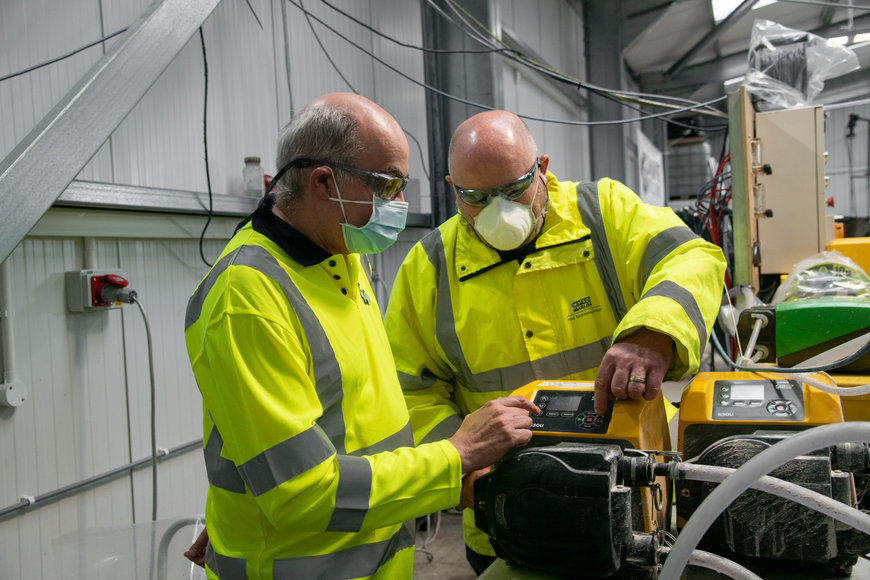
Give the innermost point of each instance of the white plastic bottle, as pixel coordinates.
(252, 177)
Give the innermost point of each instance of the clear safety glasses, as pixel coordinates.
(511, 191)
(384, 186)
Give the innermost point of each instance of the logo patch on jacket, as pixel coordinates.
(582, 307)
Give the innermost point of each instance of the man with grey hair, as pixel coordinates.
(308, 448)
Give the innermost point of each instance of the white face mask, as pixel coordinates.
(506, 225)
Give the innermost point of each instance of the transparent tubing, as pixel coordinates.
(719, 564)
(749, 473)
(775, 486)
(842, 391)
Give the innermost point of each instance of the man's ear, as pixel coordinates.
(543, 163)
(448, 179)
(321, 182)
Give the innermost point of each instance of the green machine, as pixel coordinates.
(791, 332)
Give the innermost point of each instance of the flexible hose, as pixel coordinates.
(718, 563)
(779, 487)
(749, 473)
(800, 373)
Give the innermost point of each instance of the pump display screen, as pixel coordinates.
(758, 400)
(569, 411)
(748, 392)
(564, 402)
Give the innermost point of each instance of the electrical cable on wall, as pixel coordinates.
(611, 94)
(62, 57)
(118, 290)
(488, 108)
(153, 409)
(205, 145)
(348, 83)
(620, 97)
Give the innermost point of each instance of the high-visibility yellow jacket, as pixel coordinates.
(467, 324)
(308, 448)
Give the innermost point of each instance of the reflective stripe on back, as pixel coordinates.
(507, 378)
(224, 567)
(327, 374)
(590, 212)
(221, 472)
(662, 244)
(685, 299)
(356, 562)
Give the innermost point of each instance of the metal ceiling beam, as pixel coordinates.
(41, 166)
(711, 36)
(721, 69)
(827, 14)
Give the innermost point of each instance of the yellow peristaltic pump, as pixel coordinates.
(584, 489)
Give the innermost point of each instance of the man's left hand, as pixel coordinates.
(633, 368)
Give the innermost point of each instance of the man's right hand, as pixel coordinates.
(196, 552)
(488, 433)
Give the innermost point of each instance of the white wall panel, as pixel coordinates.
(80, 369)
(566, 145)
(849, 181)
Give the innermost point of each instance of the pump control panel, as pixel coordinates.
(569, 412)
(765, 400)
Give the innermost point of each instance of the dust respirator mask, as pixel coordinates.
(505, 224)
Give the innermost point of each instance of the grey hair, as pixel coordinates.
(320, 132)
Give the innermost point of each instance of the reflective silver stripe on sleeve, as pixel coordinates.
(327, 374)
(508, 378)
(353, 494)
(662, 244)
(221, 472)
(685, 299)
(286, 460)
(194, 304)
(443, 430)
(414, 383)
(356, 562)
(401, 438)
(590, 211)
(224, 567)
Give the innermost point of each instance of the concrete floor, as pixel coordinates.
(447, 550)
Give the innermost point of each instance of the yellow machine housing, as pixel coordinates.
(728, 418)
(711, 408)
(568, 415)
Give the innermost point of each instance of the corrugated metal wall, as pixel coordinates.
(88, 409)
(848, 165)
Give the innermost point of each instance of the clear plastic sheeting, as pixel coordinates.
(147, 551)
(788, 67)
(824, 274)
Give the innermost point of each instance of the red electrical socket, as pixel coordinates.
(97, 284)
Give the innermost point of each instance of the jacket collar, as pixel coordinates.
(297, 246)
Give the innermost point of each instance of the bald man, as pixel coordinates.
(308, 449)
(537, 278)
